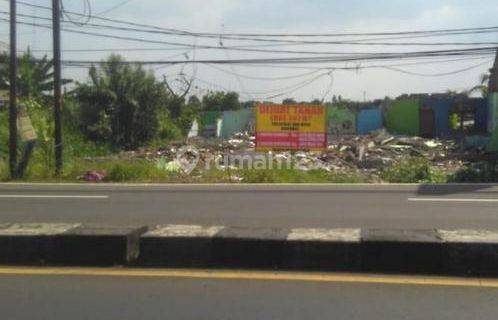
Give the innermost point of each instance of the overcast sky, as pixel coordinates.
(281, 16)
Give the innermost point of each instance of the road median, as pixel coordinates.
(438, 252)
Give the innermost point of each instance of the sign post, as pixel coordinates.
(291, 127)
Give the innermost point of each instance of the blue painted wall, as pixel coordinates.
(369, 120)
(441, 108)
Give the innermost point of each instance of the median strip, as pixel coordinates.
(432, 251)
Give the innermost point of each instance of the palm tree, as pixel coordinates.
(34, 78)
(119, 103)
(481, 88)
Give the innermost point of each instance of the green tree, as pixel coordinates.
(482, 87)
(119, 104)
(289, 101)
(34, 77)
(221, 101)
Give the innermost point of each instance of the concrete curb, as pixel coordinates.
(68, 244)
(438, 252)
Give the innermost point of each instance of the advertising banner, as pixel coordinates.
(291, 127)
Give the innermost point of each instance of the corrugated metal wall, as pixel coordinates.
(441, 108)
(235, 121)
(403, 117)
(369, 120)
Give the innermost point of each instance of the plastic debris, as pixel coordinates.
(93, 176)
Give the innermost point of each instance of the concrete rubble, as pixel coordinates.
(367, 154)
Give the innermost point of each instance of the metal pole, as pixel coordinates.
(57, 85)
(13, 92)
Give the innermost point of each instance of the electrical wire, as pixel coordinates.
(83, 18)
(350, 34)
(303, 85)
(263, 78)
(324, 59)
(437, 74)
(360, 42)
(119, 5)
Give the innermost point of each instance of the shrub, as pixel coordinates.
(298, 176)
(484, 171)
(413, 170)
(168, 130)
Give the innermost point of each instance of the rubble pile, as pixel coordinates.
(368, 154)
(372, 153)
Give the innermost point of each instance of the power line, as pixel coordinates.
(186, 45)
(84, 18)
(278, 90)
(317, 60)
(360, 42)
(350, 34)
(109, 50)
(179, 45)
(437, 74)
(262, 78)
(302, 85)
(119, 5)
(468, 51)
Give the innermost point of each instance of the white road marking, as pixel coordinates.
(51, 196)
(452, 200)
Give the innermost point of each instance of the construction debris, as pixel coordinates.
(367, 154)
(93, 176)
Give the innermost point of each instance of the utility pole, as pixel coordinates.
(57, 85)
(13, 92)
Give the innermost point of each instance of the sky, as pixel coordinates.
(277, 16)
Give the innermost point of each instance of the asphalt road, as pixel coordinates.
(76, 297)
(367, 206)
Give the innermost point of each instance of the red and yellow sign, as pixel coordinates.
(291, 127)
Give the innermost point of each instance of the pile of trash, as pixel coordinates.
(373, 152)
(93, 176)
(369, 154)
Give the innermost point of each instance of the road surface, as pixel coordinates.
(56, 297)
(359, 206)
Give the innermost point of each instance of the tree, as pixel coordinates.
(119, 103)
(482, 87)
(195, 103)
(178, 99)
(34, 77)
(289, 101)
(249, 104)
(221, 101)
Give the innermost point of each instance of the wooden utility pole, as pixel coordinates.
(56, 12)
(13, 92)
